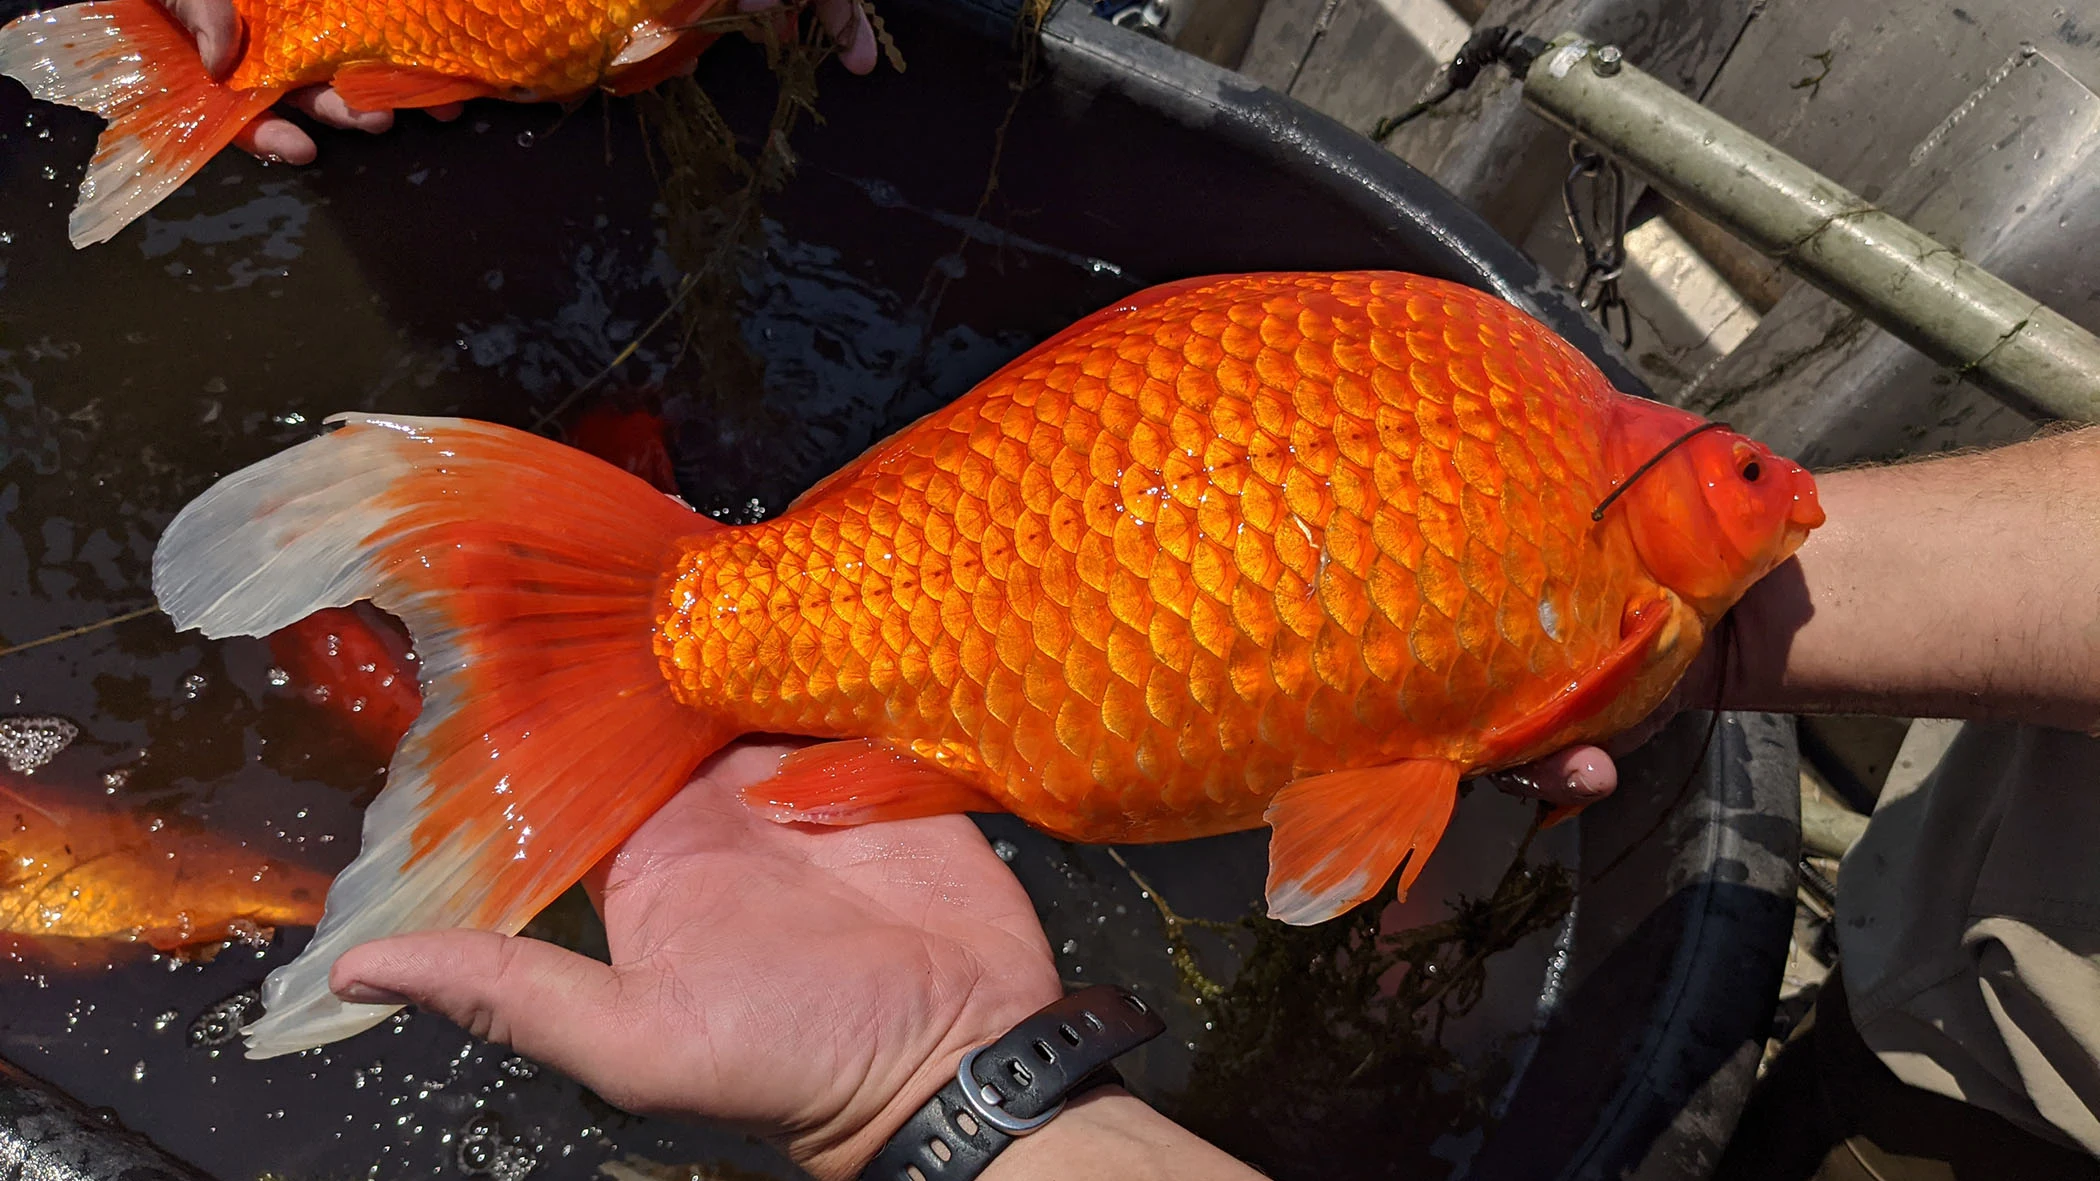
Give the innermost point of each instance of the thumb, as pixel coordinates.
(217, 28)
(545, 1001)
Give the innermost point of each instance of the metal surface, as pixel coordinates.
(1917, 288)
(2012, 184)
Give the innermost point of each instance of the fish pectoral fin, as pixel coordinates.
(383, 86)
(1596, 689)
(1337, 837)
(861, 781)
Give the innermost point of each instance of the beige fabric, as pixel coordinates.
(1969, 929)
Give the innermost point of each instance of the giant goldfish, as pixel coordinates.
(131, 63)
(1301, 550)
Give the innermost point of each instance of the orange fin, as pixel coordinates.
(1337, 837)
(129, 62)
(530, 576)
(383, 86)
(1595, 691)
(862, 781)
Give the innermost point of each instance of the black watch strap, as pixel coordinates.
(1016, 1084)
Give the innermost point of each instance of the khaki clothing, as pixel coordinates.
(1968, 927)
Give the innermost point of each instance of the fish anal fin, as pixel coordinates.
(862, 781)
(1337, 837)
(383, 86)
(1595, 692)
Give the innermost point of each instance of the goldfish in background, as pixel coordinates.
(630, 439)
(1294, 549)
(77, 877)
(354, 663)
(131, 63)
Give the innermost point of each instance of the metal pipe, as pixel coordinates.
(1922, 292)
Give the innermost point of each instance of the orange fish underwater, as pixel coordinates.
(1294, 549)
(77, 877)
(131, 63)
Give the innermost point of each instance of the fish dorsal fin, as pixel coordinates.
(1595, 690)
(383, 86)
(1337, 837)
(861, 781)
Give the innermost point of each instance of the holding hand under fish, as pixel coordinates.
(131, 62)
(1301, 550)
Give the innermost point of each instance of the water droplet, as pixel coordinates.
(1006, 849)
(279, 677)
(1071, 947)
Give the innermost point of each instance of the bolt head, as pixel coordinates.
(1606, 60)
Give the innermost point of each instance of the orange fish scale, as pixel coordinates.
(1187, 552)
(555, 49)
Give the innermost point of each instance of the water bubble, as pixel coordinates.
(138, 1071)
(1071, 947)
(7, 237)
(221, 1024)
(279, 677)
(193, 686)
(50, 173)
(519, 1068)
(30, 742)
(166, 1018)
(290, 418)
(1006, 849)
(525, 140)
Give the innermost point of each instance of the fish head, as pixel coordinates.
(1710, 511)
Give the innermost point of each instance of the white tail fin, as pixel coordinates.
(129, 62)
(531, 576)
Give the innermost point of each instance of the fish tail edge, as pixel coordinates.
(531, 576)
(131, 63)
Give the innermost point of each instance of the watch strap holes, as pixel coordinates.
(1043, 1051)
(1070, 1035)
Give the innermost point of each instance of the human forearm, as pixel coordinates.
(1967, 586)
(1109, 1135)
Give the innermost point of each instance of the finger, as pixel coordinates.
(549, 1003)
(324, 104)
(273, 137)
(217, 28)
(1575, 777)
(848, 25)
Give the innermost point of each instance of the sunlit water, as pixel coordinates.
(486, 268)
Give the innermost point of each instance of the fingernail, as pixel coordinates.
(360, 993)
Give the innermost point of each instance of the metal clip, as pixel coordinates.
(1603, 239)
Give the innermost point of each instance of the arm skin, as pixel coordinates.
(1966, 586)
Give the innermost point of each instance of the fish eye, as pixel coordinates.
(1751, 471)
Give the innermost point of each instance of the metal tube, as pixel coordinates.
(1919, 290)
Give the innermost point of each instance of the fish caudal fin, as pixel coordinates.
(1338, 837)
(129, 62)
(531, 576)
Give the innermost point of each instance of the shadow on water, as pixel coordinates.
(490, 268)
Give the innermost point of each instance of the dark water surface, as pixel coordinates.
(487, 268)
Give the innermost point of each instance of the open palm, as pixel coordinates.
(812, 984)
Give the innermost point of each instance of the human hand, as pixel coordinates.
(217, 28)
(815, 985)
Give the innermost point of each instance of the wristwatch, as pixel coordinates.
(1011, 1087)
